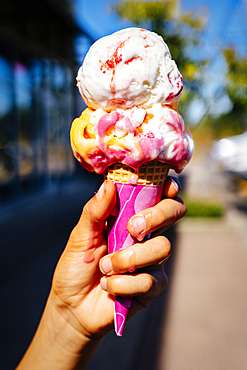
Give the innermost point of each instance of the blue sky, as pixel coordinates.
(226, 25)
(227, 20)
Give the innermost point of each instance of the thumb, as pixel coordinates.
(91, 225)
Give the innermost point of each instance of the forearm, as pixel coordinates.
(57, 344)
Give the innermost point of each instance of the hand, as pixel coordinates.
(86, 279)
(79, 310)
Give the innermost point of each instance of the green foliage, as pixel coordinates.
(143, 11)
(236, 79)
(181, 32)
(233, 122)
(228, 124)
(196, 22)
(203, 208)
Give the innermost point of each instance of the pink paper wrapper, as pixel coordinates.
(131, 200)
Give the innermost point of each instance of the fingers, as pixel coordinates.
(163, 215)
(171, 187)
(102, 204)
(143, 287)
(147, 285)
(151, 255)
(152, 252)
(95, 213)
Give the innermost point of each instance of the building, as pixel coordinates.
(38, 98)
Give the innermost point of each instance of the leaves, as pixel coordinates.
(236, 78)
(142, 11)
(233, 122)
(191, 20)
(181, 32)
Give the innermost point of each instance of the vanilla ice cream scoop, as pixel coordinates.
(132, 67)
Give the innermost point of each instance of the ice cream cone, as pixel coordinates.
(131, 199)
(153, 173)
(130, 123)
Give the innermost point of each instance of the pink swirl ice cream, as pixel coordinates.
(132, 87)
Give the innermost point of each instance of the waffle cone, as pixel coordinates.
(153, 173)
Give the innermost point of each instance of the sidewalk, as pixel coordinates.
(206, 319)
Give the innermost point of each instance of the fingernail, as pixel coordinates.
(106, 265)
(139, 227)
(176, 184)
(103, 283)
(101, 192)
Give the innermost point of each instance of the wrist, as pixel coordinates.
(65, 328)
(58, 343)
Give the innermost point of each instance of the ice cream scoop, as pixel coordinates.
(131, 67)
(132, 137)
(132, 87)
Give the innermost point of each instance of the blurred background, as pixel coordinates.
(200, 321)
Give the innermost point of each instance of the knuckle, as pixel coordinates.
(75, 237)
(161, 213)
(86, 211)
(121, 257)
(180, 210)
(147, 283)
(163, 246)
(177, 215)
(123, 260)
(184, 209)
(118, 262)
(113, 284)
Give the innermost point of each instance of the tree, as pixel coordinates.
(234, 121)
(181, 32)
(236, 83)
